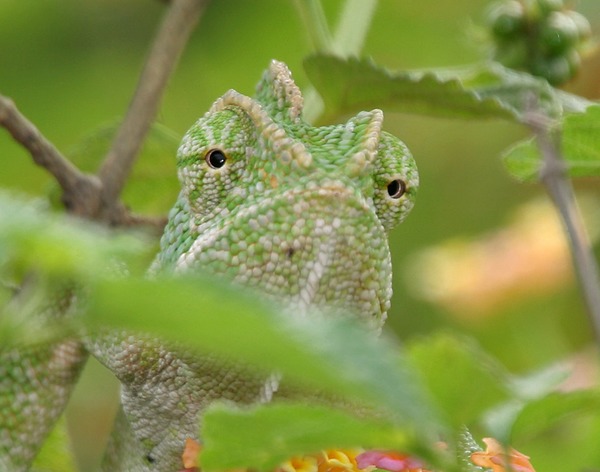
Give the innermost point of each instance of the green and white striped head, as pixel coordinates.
(299, 212)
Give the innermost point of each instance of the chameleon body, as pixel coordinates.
(296, 212)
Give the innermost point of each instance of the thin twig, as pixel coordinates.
(347, 39)
(80, 191)
(554, 177)
(351, 31)
(315, 24)
(168, 45)
(156, 224)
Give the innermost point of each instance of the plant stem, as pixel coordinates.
(348, 39)
(553, 176)
(313, 17)
(353, 26)
(169, 43)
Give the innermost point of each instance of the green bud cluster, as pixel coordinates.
(542, 37)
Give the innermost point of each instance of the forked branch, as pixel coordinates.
(80, 191)
(98, 197)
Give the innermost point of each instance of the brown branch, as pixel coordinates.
(81, 192)
(97, 197)
(554, 177)
(155, 224)
(168, 45)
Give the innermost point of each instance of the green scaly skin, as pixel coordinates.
(299, 213)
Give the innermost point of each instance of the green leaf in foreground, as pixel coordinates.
(542, 414)
(54, 244)
(287, 430)
(580, 148)
(464, 379)
(49, 251)
(479, 91)
(333, 354)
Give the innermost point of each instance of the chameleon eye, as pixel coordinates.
(215, 158)
(396, 188)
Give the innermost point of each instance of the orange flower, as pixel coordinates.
(497, 458)
(190, 455)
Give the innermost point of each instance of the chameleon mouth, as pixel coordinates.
(339, 253)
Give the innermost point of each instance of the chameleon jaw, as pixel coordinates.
(295, 255)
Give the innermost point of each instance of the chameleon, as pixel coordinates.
(298, 213)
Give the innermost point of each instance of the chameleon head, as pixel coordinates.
(299, 212)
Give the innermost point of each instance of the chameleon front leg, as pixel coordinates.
(35, 385)
(124, 452)
(164, 391)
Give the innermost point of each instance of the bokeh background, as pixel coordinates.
(480, 255)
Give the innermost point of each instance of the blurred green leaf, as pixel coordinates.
(480, 91)
(332, 354)
(464, 380)
(580, 147)
(285, 431)
(539, 383)
(500, 420)
(546, 412)
(43, 255)
(34, 238)
(523, 161)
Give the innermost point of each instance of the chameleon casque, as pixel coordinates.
(297, 212)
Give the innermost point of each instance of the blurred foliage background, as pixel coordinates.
(480, 254)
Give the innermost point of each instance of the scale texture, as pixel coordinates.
(296, 212)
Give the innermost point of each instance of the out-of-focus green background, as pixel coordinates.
(71, 67)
